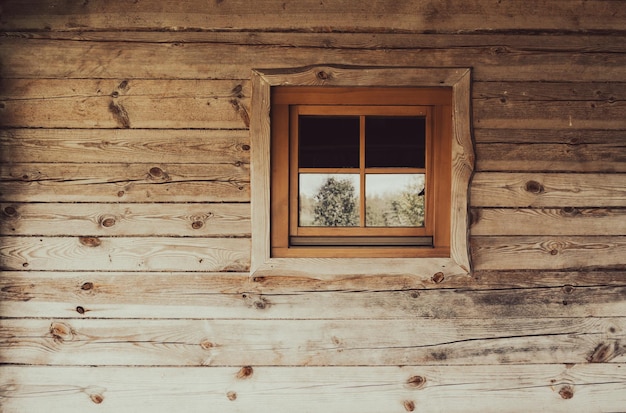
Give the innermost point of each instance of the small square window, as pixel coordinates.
(360, 171)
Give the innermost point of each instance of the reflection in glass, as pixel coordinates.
(328, 200)
(395, 141)
(394, 200)
(328, 141)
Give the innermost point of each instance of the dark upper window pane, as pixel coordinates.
(395, 141)
(328, 141)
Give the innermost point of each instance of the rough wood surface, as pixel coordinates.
(124, 253)
(310, 15)
(312, 342)
(175, 220)
(35, 58)
(36, 294)
(556, 388)
(136, 182)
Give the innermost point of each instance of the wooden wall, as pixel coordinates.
(125, 213)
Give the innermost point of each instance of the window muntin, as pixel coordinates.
(416, 160)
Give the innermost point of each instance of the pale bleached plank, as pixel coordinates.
(237, 296)
(171, 342)
(497, 189)
(555, 388)
(125, 145)
(549, 252)
(546, 221)
(124, 182)
(124, 253)
(413, 15)
(83, 103)
(34, 58)
(190, 220)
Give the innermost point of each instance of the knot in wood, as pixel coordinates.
(197, 224)
(96, 398)
(10, 211)
(438, 277)
(322, 75)
(207, 345)
(568, 289)
(534, 187)
(232, 396)
(566, 392)
(245, 372)
(416, 382)
(570, 211)
(87, 286)
(409, 405)
(80, 310)
(245, 147)
(61, 332)
(156, 172)
(107, 222)
(91, 242)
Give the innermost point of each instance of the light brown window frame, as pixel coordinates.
(456, 263)
(288, 102)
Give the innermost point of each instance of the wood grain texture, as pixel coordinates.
(176, 220)
(548, 221)
(548, 190)
(549, 252)
(309, 15)
(34, 58)
(124, 182)
(122, 145)
(80, 103)
(487, 389)
(175, 295)
(125, 254)
(312, 342)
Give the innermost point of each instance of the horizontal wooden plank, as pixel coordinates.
(35, 58)
(507, 92)
(124, 145)
(589, 42)
(546, 221)
(237, 296)
(414, 15)
(486, 389)
(549, 252)
(311, 342)
(609, 156)
(124, 254)
(81, 103)
(124, 182)
(189, 220)
(571, 137)
(499, 189)
(510, 114)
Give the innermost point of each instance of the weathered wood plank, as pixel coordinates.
(189, 220)
(549, 252)
(127, 182)
(143, 342)
(498, 189)
(309, 15)
(504, 113)
(507, 92)
(34, 58)
(81, 103)
(236, 296)
(486, 389)
(124, 253)
(124, 145)
(573, 137)
(546, 221)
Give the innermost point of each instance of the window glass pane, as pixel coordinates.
(328, 200)
(395, 141)
(328, 141)
(394, 200)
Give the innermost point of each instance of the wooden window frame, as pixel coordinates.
(288, 102)
(455, 262)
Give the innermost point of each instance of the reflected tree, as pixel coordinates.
(336, 204)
